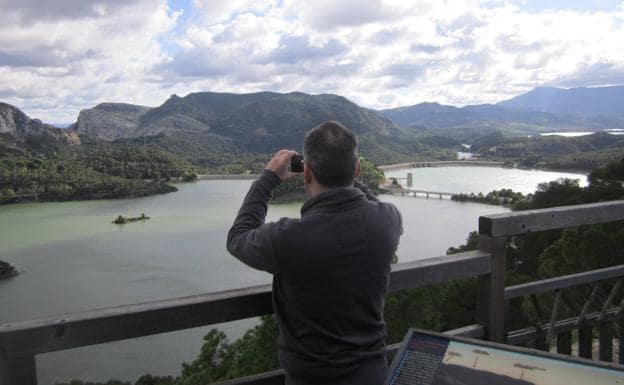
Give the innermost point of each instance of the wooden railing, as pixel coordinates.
(20, 342)
(500, 227)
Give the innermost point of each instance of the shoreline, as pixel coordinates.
(392, 167)
(475, 163)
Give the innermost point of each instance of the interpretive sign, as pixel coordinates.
(427, 358)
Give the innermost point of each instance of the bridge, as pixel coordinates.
(442, 163)
(415, 193)
(227, 176)
(21, 342)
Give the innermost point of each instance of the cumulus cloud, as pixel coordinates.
(380, 53)
(597, 74)
(33, 11)
(70, 62)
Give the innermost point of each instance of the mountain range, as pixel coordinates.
(258, 122)
(540, 110)
(205, 128)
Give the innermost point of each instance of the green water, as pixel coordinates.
(72, 258)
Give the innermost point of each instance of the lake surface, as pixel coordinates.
(469, 179)
(72, 258)
(572, 134)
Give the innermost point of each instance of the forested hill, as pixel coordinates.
(259, 122)
(21, 130)
(41, 162)
(222, 131)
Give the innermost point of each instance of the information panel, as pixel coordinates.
(432, 359)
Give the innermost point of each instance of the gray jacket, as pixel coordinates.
(330, 275)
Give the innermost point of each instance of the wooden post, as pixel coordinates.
(585, 342)
(410, 179)
(540, 341)
(18, 371)
(564, 343)
(605, 342)
(621, 340)
(491, 294)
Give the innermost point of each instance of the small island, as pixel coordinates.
(6, 270)
(122, 220)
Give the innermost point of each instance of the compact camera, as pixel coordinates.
(296, 163)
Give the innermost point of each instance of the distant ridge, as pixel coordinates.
(581, 101)
(541, 109)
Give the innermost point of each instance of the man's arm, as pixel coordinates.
(250, 239)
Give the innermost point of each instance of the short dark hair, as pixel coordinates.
(330, 151)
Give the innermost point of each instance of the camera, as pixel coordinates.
(296, 163)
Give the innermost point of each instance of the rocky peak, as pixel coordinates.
(17, 125)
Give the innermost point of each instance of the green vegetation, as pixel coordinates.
(91, 171)
(452, 304)
(6, 270)
(213, 154)
(292, 190)
(120, 220)
(504, 197)
(583, 153)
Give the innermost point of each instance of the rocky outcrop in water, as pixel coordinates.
(6, 270)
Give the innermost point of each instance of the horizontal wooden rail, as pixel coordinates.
(129, 321)
(441, 269)
(521, 222)
(562, 282)
(26, 338)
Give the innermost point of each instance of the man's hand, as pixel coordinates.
(280, 163)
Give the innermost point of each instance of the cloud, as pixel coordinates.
(67, 60)
(293, 49)
(597, 74)
(380, 53)
(330, 14)
(221, 11)
(33, 11)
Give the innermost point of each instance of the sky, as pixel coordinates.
(59, 57)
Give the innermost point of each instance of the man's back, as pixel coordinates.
(332, 277)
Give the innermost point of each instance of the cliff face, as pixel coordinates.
(110, 121)
(18, 127)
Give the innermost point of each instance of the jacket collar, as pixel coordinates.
(337, 199)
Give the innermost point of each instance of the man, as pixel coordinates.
(330, 268)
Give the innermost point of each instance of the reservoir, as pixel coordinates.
(72, 258)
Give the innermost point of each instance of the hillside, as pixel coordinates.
(200, 125)
(18, 128)
(39, 162)
(583, 153)
(260, 121)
